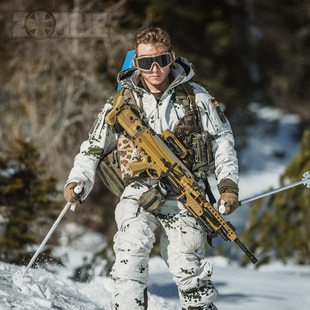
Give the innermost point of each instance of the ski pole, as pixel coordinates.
(78, 189)
(305, 180)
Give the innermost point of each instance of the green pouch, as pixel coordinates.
(110, 179)
(151, 200)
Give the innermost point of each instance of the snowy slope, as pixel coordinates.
(40, 291)
(274, 286)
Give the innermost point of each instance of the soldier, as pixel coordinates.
(154, 86)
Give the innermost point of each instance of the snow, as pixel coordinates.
(274, 286)
(277, 287)
(256, 290)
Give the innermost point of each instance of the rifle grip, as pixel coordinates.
(139, 166)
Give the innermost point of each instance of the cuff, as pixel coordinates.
(228, 186)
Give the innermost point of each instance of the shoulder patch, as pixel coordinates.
(219, 113)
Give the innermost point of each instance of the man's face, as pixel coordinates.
(157, 78)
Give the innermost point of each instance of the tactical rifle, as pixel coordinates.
(161, 163)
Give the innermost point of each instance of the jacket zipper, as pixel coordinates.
(157, 107)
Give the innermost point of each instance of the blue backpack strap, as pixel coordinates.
(128, 63)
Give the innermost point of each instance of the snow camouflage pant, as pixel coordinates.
(182, 248)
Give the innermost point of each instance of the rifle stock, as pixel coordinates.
(161, 163)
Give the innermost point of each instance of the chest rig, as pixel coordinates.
(114, 171)
(189, 131)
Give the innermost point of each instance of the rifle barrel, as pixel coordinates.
(252, 258)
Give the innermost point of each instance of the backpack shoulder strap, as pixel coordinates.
(182, 97)
(121, 92)
(189, 93)
(185, 95)
(130, 100)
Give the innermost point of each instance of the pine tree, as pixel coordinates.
(279, 225)
(25, 192)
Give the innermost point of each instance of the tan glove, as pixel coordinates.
(231, 202)
(69, 193)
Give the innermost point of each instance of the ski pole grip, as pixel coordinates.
(222, 207)
(78, 189)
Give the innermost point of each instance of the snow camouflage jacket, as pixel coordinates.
(159, 116)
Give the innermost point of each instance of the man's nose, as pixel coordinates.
(155, 67)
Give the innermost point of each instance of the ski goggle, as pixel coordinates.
(146, 63)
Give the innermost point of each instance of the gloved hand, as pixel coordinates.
(231, 202)
(69, 193)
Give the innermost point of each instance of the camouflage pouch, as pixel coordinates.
(151, 200)
(128, 153)
(204, 164)
(185, 126)
(110, 174)
(113, 169)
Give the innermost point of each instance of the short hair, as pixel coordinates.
(153, 35)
